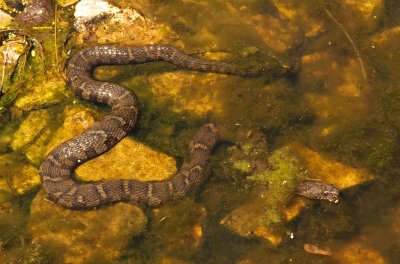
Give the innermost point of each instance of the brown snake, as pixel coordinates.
(56, 171)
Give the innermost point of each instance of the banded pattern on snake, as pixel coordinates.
(56, 171)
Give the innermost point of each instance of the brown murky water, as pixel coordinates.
(335, 119)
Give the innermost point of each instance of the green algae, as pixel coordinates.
(284, 175)
(243, 166)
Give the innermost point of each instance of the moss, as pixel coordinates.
(285, 173)
(282, 178)
(243, 166)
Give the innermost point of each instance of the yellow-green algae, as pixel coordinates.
(79, 236)
(30, 128)
(261, 214)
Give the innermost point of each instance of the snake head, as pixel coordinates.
(318, 190)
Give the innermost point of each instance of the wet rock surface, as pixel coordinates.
(42, 93)
(17, 177)
(30, 128)
(101, 22)
(82, 236)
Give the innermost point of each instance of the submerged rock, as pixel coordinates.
(188, 91)
(65, 3)
(177, 229)
(358, 252)
(356, 16)
(129, 159)
(30, 128)
(5, 19)
(83, 236)
(36, 13)
(261, 215)
(42, 92)
(36, 151)
(12, 223)
(102, 233)
(99, 22)
(264, 213)
(330, 171)
(17, 177)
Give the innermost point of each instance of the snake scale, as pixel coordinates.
(56, 171)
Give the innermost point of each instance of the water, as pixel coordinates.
(328, 106)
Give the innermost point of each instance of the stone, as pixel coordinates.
(129, 159)
(177, 229)
(82, 236)
(30, 128)
(5, 19)
(108, 229)
(42, 92)
(189, 91)
(271, 204)
(358, 252)
(17, 177)
(123, 23)
(280, 30)
(356, 16)
(64, 3)
(36, 151)
(262, 214)
(328, 170)
(345, 95)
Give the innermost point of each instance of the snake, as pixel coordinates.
(57, 168)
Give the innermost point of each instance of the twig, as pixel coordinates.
(55, 36)
(349, 38)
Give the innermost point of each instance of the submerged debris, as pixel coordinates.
(36, 13)
(313, 249)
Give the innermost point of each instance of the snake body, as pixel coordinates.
(56, 171)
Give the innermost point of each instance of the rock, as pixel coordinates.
(359, 252)
(36, 12)
(42, 92)
(356, 16)
(30, 128)
(6, 137)
(12, 50)
(121, 25)
(271, 205)
(330, 171)
(5, 19)
(36, 151)
(384, 53)
(12, 221)
(24, 179)
(177, 230)
(294, 208)
(17, 177)
(189, 91)
(280, 30)
(64, 3)
(129, 159)
(76, 120)
(342, 79)
(261, 215)
(82, 236)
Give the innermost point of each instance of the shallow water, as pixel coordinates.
(327, 105)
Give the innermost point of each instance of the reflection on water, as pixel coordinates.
(334, 118)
